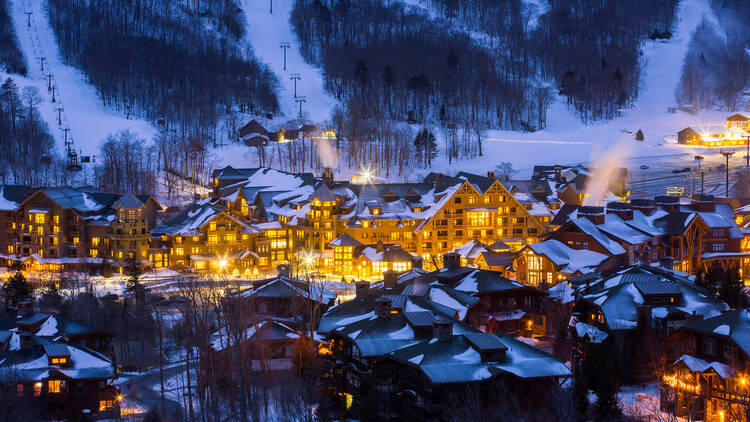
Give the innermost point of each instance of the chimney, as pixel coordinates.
(390, 279)
(645, 206)
(693, 317)
(666, 262)
(491, 174)
(442, 329)
(416, 262)
(328, 176)
(379, 247)
(668, 203)
(282, 270)
(644, 317)
(24, 308)
(26, 340)
(438, 182)
(361, 288)
(558, 174)
(382, 307)
(704, 203)
(451, 261)
(593, 214)
(620, 209)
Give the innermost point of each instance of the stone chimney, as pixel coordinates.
(491, 174)
(438, 182)
(390, 279)
(282, 270)
(382, 307)
(558, 174)
(645, 206)
(620, 209)
(442, 329)
(361, 289)
(704, 203)
(451, 261)
(416, 262)
(24, 308)
(593, 214)
(666, 262)
(328, 176)
(668, 203)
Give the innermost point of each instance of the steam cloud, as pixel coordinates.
(597, 185)
(327, 153)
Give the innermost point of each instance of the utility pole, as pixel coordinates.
(49, 82)
(726, 155)
(299, 101)
(295, 77)
(284, 46)
(28, 18)
(41, 60)
(54, 88)
(59, 115)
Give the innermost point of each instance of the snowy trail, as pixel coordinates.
(83, 113)
(266, 32)
(575, 142)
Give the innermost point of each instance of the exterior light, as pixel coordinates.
(119, 397)
(222, 263)
(743, 380)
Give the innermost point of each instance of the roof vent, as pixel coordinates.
(442, 328)
(451, 261)
(282, 270)
(382, 306)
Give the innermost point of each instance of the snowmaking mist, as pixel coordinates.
(605, 170)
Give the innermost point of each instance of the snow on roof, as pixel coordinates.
(470, 249)
(700, 366)
(269, 330)
(569, 260)
(484, 281)
(594, 334)
(591, 229)
(734, 324)
(33, 364)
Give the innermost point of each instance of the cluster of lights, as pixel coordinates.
(675, 382)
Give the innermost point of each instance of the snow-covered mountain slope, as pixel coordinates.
(567, 140)
(266, 32)
(89, 121)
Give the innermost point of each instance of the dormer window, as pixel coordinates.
(375, 211)
(61, 361)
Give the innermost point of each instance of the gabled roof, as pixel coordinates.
(323, 193)
(737, 118)
(285, 287)
(345, 240)
(484, 281)
(128, 201)
(568, 260)
(11, 196)
(458, 360)
(32, 364)
(733, 324)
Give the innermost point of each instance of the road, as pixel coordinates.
(138, 389)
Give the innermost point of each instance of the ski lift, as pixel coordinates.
(73, 165)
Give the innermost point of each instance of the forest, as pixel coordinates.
(481, 62)
(11, 58)
(179, 64)
(28, 148)
(716, 69)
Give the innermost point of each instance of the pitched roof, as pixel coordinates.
(128, 201)
(733, 324)
(345, 240)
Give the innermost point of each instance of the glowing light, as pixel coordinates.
(222, 263)
(743, 380)
(119, 397)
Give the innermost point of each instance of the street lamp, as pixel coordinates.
(726, 155)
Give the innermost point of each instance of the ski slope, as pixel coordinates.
(83, 113)
(266, 32)
(566, 140)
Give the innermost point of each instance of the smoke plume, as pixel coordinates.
(606, 165)
(327, 153)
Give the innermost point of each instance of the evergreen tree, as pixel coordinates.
(51, 297)
(134, 285)
(639, 135)
(731, 290)
(606, 407)
(16, 289)
(580, 395)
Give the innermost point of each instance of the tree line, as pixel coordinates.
(716, 68)
(29, 155)
(495, 70)
(11, 58)
(180, 65)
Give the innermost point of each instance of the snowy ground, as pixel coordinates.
(89, 121)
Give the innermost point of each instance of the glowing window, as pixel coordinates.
(56, 386)
(39, 218)
(94, 241)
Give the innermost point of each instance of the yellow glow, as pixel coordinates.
(119, 397)
(743, 380)
(222, 263)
